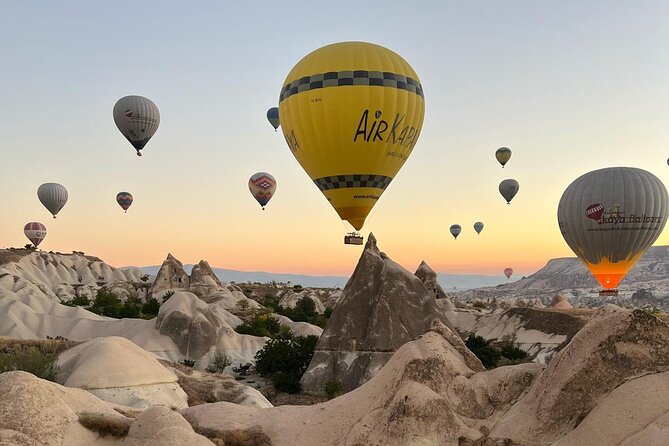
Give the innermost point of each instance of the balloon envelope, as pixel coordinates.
(273, 117)
(609, 217)
(455, 230)
(351, 114)
(478, 227)
(509, 188)
(262, 186)
(53, 196)
(124, 199)
(35, 231)
(137, 118)
(508, 272)
(503, 155)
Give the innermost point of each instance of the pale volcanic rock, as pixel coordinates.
(299, 328)
(198, 329)
(616, 345)
(289, 299)
(102, 367)
(429, 278)
(162, 426)
(170, 276)
(383, 306)
(560, 302)
(425, 394)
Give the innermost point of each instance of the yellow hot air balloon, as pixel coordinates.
(351, 113)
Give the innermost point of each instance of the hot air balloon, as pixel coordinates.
(273, 117)
(509, 189)
(137, 118)
(609, 217)
(262, 186)
(351, 114)
(478, 227)
(508, 272)
(35, 231)
(124, 199)
(53, 196)
(503, 155)
(455, 231)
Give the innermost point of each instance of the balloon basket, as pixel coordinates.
(608, 293)
(353, 238)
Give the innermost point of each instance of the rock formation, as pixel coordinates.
(429, 278)
(383, 306)
(102, 366)
(560, 302)
(289, 299)
(170, 276)
(615, 346)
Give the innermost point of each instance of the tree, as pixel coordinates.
(219, 362)
(106, 303)
(144, 278)
(78, 301)
(485, 352)
(284, 361)
(151, 308)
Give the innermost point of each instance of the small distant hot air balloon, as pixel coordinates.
(351, 114)
(35, 231)
(609, 217)
(262, 186)
(478, 227)
(137, 118)
(508, 272)
(455, 231)
(124, 199)
(509, 189)
(503, 155)
(53, 196)
(273, 117)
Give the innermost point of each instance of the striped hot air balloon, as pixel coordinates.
(262, 186)
(124, 199)
(53, 196)
(35, 231)
(137, 118)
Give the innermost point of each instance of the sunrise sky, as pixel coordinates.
(569, 86)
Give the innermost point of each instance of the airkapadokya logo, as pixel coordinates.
(142, 119)
(381, 130)
(614, 215)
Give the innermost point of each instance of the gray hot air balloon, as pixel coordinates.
(478, 227)
(503, 155)
(609, 217)
(509, 189)
(137, 118)
(455, 231)
(53, 196)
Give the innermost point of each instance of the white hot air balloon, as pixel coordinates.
(455, 231)
(509, 188)
(478, 227)
(609, 217)
(137, 118)
(53, 196)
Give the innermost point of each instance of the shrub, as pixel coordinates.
(261, 324)
(218, 363)
(332, 388)
(286, 382)
(106, 303)
(242, 305)
(478, 305)
(188, 362)
(167, 296)
(151, 307)
(485, 352)
(32, 360)
(513, 353)
(131, 308)
(297, 288)
(327, 313)
(287, 357)
(78, 301)
(105, 424)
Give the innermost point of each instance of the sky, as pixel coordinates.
(569, 86)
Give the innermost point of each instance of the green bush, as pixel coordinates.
(31, 360)
(151, 308)
(131, 308)
(513, 353)
(483, 350)
(167, 296)
(260, 324)
(218, 363)
(106, 303)
(286, 357)
(332, 388)
(188, 362)
(286, 382)
(327, 313)
(78, 301)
